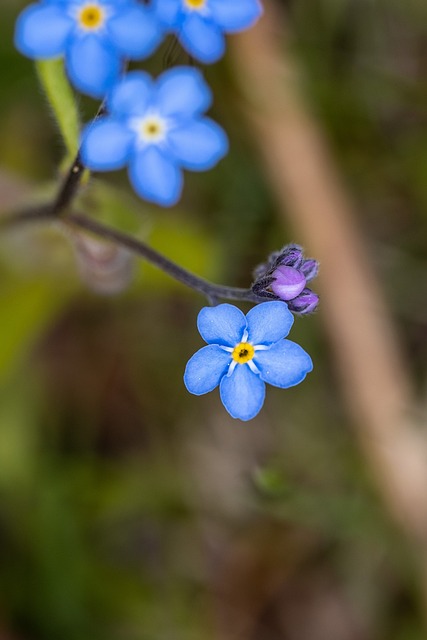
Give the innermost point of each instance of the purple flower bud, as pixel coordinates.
(284, 277)
(306, 302)
(310, 269)
(288, 282)
(291, 256)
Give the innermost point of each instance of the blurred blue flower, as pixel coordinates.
(157, 128)
(93, 35)
(243, 353)
(200, 24)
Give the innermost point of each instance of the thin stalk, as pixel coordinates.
(213, 292)
(39, 213)
(69, 187)
(62, 100)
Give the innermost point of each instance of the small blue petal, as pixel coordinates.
(155, 177)
(269, 322)
(135, 32)
(131, 96)
(106, 145)
(242, 393)
(235, 16)
(42, 31)
(198, 144)
(284, 364)
(205, 369)
(182, 92)
(92, 65)
(167, 11)
(223, 324)
(202, 38)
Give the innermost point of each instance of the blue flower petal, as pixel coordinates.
(242, 393)
(198, 144)
(205, 369)
(284, 364)
(42, 31)
(269, 322)
(132, 95)
(237, 15)
(106, 145)
(182, 92)
(155, 177)
(202, 38)
(92, 66)
(135, 32)
(167, 11)
(223, 324)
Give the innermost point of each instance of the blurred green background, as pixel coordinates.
(131, 510)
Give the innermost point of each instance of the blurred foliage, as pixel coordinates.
(129, 510)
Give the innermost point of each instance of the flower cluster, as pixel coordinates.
(96, 36)
(284, 277)
(157, 129)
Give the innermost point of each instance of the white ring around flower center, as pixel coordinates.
(201, 6)
(150, 129)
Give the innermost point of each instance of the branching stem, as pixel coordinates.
(62, 203)
(213, 292)
(209, 289)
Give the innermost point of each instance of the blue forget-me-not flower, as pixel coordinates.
(158, 129)
(243, 353)
(95, 36)
(200, 24)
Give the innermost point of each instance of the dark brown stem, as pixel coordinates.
(210, 290)
(213, 292)
(70, 185)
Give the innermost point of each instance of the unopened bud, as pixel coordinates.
(305, 303)
(288, 282)
(310, 269)
(291, 256)
(285, 276)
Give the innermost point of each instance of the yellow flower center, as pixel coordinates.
(151, 129)
(243, 352)
(91, 16)
(195, 4)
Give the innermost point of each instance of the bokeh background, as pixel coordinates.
(130, 510)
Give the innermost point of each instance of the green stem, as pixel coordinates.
(61, 98)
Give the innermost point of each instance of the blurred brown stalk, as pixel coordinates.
(375, 378)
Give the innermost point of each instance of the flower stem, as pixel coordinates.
(61, 98)
(54, 80)
(69, 187)
(210, 290)
(213, 292)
